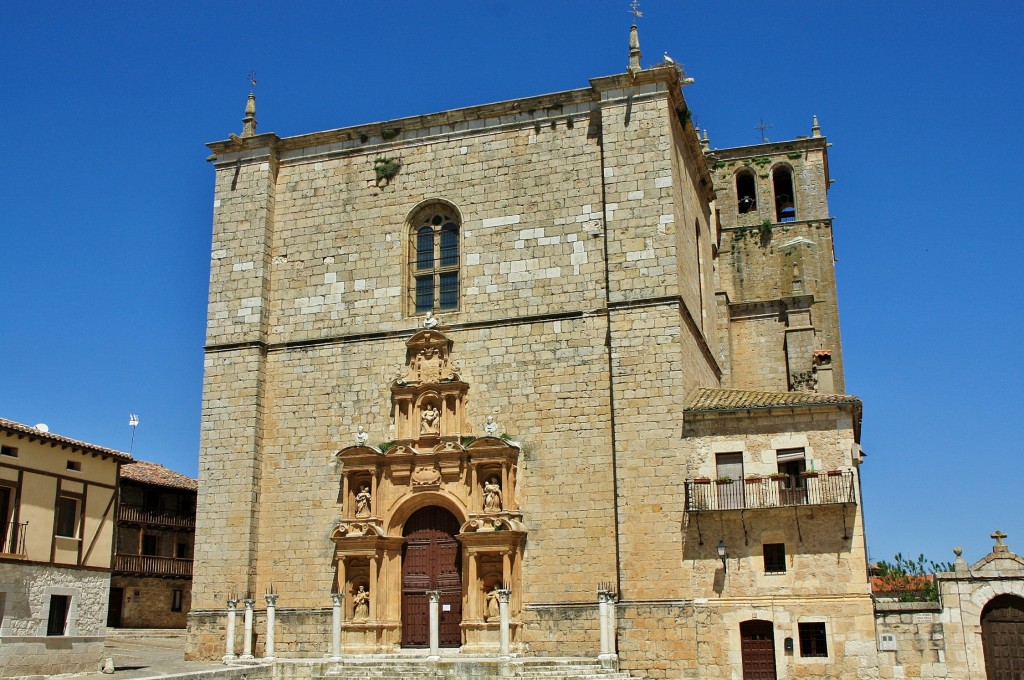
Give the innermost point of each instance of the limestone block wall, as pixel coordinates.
(148, 602)
(25, 648)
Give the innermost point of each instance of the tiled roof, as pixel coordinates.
(26, 430)
(710, 399)
(152, 473)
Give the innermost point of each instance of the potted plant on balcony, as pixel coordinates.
(809, 473)
(701, 480)
(834, 473)
(724, 480)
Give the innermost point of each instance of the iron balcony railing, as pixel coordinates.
(825, 488)
(12, 538)
(139, 514)
(152, 565)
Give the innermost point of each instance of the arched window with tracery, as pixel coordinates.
(435, 259)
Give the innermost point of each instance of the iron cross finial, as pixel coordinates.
(762, 127)
(634, 9)
(252, 80)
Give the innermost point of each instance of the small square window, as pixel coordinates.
(67, 517)
(75, 466)
(774, 558)
(9, 451)
(181, 551)
(812, 639)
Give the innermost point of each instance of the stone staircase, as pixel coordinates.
(465, 669)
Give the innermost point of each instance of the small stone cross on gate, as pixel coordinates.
(999, 546)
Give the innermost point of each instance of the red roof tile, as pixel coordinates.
(152, 473)
(711, 399)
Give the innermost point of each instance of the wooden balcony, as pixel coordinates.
(151, 565)
(138, 514)
(12, 539)
(825, 488)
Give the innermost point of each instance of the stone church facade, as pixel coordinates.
(543, 347)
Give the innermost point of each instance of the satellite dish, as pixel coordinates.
(42, 427)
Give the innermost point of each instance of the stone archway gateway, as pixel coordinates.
(1002, 635)
(431, 560)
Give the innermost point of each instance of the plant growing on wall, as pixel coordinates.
(764, 231)
(908, 580)
(386, 169)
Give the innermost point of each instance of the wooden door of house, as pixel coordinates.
(114, 611)
(1002, 636)
(757, 646)
(431, 560)
(730, 494)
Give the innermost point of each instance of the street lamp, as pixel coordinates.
(721, 553)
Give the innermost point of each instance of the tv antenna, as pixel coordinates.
(133, 422)
(762, 127)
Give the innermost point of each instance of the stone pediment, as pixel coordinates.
(1000, 562)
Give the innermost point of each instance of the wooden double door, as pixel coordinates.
(431, 560)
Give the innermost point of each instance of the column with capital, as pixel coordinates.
(336, 600)
(271, 598)
(434, 596)
(505, 636)
(247, 629)
(229, 652)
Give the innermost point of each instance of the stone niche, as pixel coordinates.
(434, 461)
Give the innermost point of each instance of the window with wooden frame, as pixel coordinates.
(67, 516)
(434, 260)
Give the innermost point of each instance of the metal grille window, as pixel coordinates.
(812, 639)
(435, 261)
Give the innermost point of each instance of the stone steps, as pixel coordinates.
(467, 669)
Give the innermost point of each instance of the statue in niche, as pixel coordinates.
(430, 321)
(491, 427)
(363, 500)
(430, 365)
(361, 608)
(491, 609)
(492, 495)
(430, 422)
(361, 436)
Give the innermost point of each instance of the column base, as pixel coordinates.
(228, 658)
(609, 662)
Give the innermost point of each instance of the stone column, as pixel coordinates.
(435, 622)
(229, 652)
(336, 600)
(247, 623)
(602, 616)
(608, 658)
(505, 636)
(268, 651)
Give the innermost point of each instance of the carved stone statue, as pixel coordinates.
(492, 495)
(491, 609)
(361, 608)
(430, 321)
(430, 420)
(490, 427)
(361, 436)
(363, 502)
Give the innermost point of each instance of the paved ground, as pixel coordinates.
(147, 656)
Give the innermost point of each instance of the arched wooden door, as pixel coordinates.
(431, 560)
(1002, 636)
(757, 644)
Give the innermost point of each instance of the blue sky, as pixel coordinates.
(106, 197)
